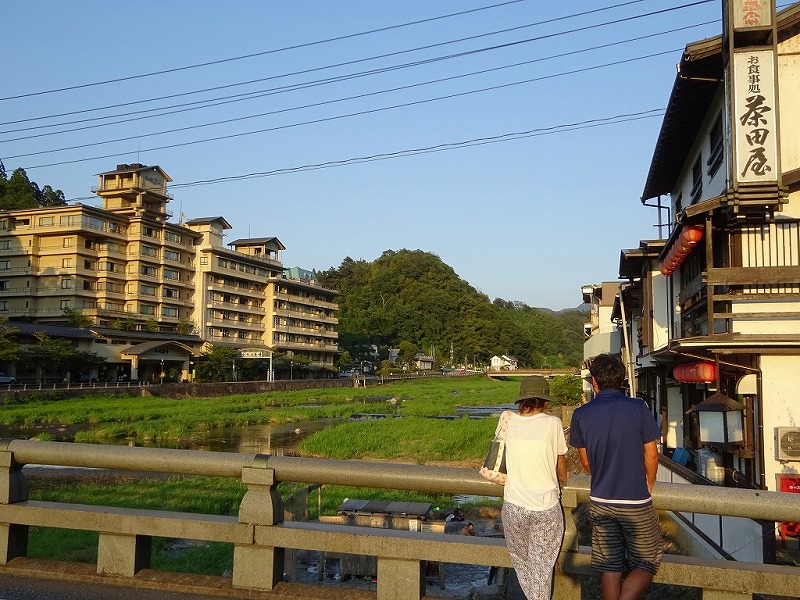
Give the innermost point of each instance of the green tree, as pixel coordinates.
(408, 352)
(217, 364)
(47, 355)
(9, 346)
(567, 388)
(345, 360)
(76, 318)
(184, 327)
(18, 191)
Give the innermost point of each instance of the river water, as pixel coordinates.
(275, 438)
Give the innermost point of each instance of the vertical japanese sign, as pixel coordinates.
(751, 13)
(754, 116)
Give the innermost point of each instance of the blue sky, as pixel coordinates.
(528, 217)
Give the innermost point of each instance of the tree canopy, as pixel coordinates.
(18, 191)
(411, 299)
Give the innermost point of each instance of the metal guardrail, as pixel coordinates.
(259, 536)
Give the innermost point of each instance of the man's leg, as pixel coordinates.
(611, 584)
(635, 585)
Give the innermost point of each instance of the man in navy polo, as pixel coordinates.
(616, 440)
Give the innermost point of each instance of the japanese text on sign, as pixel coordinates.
(754, 116)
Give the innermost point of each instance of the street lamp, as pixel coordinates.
(720, 420)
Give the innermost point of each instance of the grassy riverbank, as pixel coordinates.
(162, 419)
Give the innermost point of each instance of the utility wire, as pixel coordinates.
(347, 63)
(191, 106)
(438, 148)
(336, 117)
(505, 137)
(255, 54)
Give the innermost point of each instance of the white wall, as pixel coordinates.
(660, 311)
(788, 76)
(780, 386)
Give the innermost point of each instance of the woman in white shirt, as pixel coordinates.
(533, 520)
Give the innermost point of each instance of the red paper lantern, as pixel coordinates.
(699, 372)
(689, 238)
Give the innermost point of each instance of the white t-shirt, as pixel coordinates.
(533, 444)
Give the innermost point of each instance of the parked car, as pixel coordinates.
(7, 379)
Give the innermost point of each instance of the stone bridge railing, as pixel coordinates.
(259, 536)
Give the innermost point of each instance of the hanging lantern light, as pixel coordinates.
(699, 372)
(720, 419)
(689, 237)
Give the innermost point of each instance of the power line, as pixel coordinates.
(305, 85)
(505, 137)
(264, 53)
(347, 63)
(337, 117)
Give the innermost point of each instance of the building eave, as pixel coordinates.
(700, 76)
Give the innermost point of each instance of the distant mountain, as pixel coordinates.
(411, 296)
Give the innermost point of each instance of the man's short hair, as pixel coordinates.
(608, 371)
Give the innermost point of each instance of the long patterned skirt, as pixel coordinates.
(533, 539)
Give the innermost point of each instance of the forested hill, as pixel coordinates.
(412, 300)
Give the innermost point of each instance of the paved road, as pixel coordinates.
(24, 588)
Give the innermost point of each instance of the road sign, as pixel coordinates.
(256, 353)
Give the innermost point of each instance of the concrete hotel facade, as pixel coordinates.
(128, 268)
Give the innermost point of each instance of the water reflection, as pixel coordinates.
(275, 438)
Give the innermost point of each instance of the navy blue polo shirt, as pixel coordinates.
(613, 429)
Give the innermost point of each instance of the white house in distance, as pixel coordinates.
(503, 363)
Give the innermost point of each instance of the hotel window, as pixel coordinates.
(168, 311)
(106, 266)
(3, 305)
(149, 271)
(144, 309)
(69, 220)
(148, 290)
(5, 265)
(149, 232)
(171, 274)
(64, 304)
(171, 293)
(66, 263)
(172, 237)
(5, 245)
(715, 139)
(203, 260)
(46, 221)
(66, 284)
(170, 255)
(5, 286)
(149, 251)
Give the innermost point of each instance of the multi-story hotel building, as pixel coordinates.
(126, 267)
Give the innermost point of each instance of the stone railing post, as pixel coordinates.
(259, 567)
(567, 586)
(13, 488)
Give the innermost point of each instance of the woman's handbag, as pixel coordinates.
(494, 467)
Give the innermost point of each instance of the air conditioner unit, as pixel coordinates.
(787, 443)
